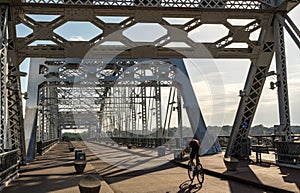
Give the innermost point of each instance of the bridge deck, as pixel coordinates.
(128, 170)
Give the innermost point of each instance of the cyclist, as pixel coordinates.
(194, 144)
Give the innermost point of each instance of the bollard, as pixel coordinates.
(161, 150)
(71, 147)
(89, 184)
(129, 146)
(80, 162)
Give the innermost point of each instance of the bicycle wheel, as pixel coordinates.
(200, 173)
(191, 173)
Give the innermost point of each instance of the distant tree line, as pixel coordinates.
(68, 136)
(255, 130)
(175, 132)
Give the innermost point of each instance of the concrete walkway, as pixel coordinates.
(266, 176)
(54, 172)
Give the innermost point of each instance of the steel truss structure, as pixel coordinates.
(118, 97)
(12, 130)
(267, 16)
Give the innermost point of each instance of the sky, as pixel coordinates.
(218, 100)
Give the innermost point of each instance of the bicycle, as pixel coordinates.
(197, 171)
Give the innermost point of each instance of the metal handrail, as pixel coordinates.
(43, 146)
(9, 162)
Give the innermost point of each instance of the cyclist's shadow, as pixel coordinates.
(188, 187)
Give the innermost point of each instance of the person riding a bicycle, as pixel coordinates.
(194, 144)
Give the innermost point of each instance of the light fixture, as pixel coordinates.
(273, 85)
(25, 95)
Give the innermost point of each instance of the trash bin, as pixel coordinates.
(161, 150)
(76, 151)
(39, 147)
(80, 156)
(80, 162)
(245, 147)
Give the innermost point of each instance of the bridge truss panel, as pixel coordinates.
(12, 128)
(63, 48)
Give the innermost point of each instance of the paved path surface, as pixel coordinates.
(53, 172)
(142, 171)
(266, 176)
(123, 170)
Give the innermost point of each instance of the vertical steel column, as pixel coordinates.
(126, 99)
(283, 97)
(144, 109)
(15, 122)
(3, 67)
(15, 111)
(102, 108)
(158, 110)
(47, 114)
(41, 116)
(53, 112)
(100, 126)
(133, 111)
(179, 111)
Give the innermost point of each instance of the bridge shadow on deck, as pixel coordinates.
(113, 173)
(265, 176)
(124, 174)
(52, 172)
(249, 178)
(291, 175)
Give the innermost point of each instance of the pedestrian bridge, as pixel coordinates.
(129, 88)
